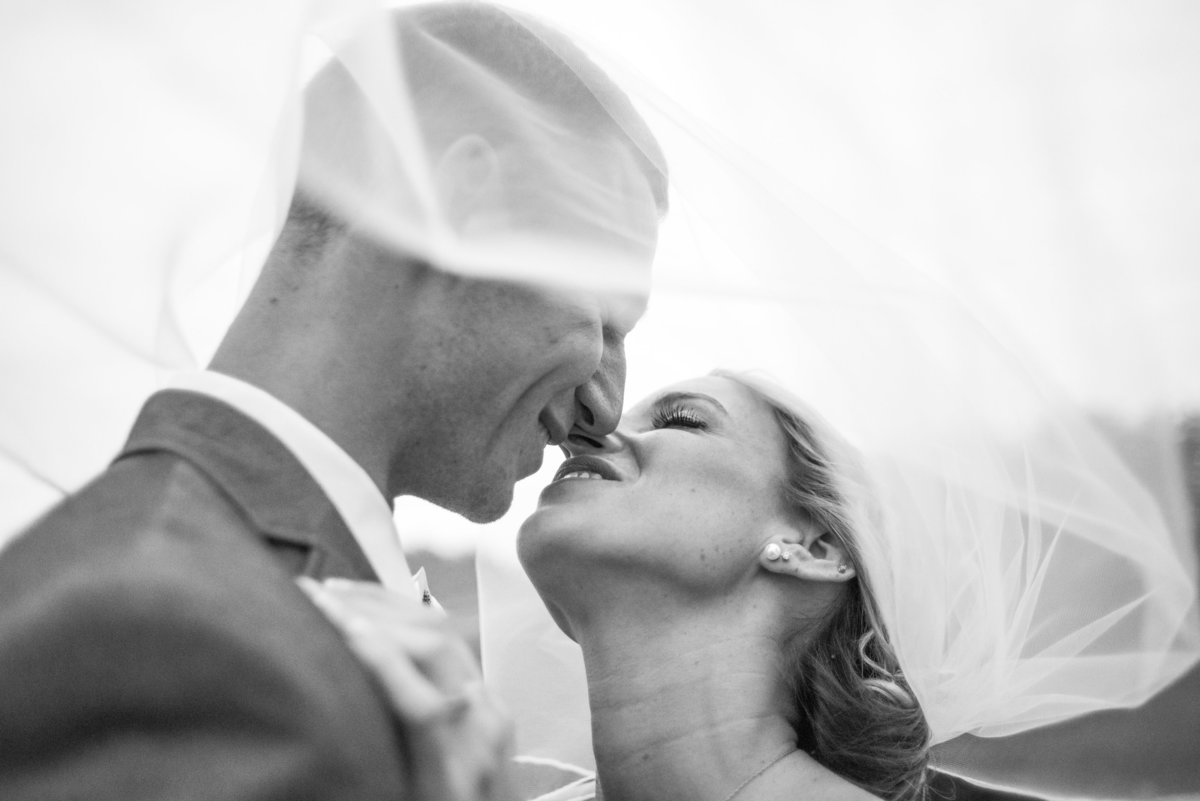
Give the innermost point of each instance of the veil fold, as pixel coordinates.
(1014, 360)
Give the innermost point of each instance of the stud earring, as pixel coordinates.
(787, 555)
(773, 552)
(842, 569)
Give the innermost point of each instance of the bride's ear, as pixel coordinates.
(807, 553)
(468, 180)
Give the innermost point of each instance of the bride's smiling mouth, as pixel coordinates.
(585, 468)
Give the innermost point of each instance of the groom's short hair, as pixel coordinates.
(522, 54)
(537, 61)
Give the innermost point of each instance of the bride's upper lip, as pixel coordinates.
(591, 464)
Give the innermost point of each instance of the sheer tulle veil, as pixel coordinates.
(1016, 380)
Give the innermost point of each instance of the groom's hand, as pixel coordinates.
(459, 738)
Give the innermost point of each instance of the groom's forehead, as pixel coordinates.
(624, 310)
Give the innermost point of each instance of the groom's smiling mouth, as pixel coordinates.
(585, 468)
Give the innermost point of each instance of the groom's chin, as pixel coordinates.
(485, 504)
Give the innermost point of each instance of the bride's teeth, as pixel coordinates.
(579, 474)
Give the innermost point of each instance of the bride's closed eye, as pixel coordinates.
(677, 415)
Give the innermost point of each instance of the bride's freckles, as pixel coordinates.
(675, 494)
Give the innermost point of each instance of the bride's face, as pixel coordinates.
(686, 491)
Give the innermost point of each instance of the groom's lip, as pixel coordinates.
(557, 431)
(589, 464)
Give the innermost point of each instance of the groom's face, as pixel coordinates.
(524, 366)
(535, 365)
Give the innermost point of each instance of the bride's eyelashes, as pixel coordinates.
(677, 416)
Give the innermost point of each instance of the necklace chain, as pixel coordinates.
(787, 750)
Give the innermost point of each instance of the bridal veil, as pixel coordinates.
(1016, 362)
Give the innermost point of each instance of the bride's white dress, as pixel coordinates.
(1029, 171)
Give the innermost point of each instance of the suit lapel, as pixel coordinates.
(282, 502)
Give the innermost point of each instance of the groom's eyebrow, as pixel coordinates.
(677, 397)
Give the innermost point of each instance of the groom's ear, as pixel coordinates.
(804, 551)
(468, 180)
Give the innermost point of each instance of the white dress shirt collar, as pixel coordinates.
(351, 491)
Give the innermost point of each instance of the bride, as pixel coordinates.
(706, 559)
(733, 581)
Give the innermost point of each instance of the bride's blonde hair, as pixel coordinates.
(857, 714)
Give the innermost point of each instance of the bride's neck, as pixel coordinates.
(680, 711)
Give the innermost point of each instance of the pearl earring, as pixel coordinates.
(773, 552)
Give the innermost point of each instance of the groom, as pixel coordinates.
(153, 641)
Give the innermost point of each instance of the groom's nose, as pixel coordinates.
(598, 401)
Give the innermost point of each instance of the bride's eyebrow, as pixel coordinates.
(683, 397)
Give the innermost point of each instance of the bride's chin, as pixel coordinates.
(541, 546)
(557, 556)
(550, 526)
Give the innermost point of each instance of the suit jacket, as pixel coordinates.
(153, 643)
